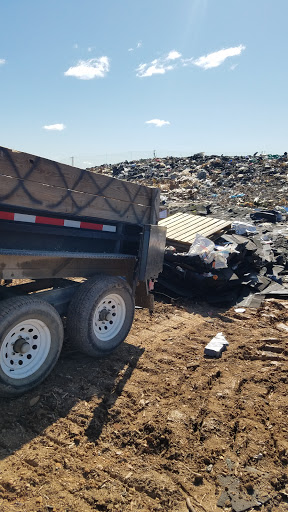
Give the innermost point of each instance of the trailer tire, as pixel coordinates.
(31, 337)
(100, 315)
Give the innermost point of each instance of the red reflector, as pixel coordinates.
(7, 215)
(49, 220)
(90, 225)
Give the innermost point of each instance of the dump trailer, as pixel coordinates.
(73, 244)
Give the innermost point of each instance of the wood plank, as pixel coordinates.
(189, 227)
(202, 228)
(179, 225)
(207, 221)
(45, 198)
(170, 220)
(179, 218)
(182, 227)
(41, 170)
(186, 244)
(215, 229)
(205, 232)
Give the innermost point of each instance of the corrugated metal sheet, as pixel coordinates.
(183, 227)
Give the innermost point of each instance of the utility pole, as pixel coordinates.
(72, 159)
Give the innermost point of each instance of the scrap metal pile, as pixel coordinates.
(247, 262)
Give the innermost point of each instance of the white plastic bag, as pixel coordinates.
(220, 258)
(201, 247)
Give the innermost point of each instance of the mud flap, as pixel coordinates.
(143, 298)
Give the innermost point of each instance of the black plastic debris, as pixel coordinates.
(232, 269)
(266, 215)
(232, 495)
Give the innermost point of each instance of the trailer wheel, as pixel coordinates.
(100, 315)
(31, 337)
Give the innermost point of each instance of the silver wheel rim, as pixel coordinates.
(25, 348)
(109, 317)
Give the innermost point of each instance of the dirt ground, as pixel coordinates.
(157, 426)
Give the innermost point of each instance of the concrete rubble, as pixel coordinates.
(250, 260)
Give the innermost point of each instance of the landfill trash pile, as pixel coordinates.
(250, 261)
(208, 183)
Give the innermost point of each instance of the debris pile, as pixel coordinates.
(217, 181)
(249, 261)
(242, 266)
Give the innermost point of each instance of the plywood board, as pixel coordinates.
(183, 227)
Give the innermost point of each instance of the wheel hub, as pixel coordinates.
(25, 348)
(103, 315)
(109, 316)
(21, 346)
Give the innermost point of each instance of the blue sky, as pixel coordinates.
(104, 80)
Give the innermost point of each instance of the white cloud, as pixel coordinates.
(75, 46)
(153, 69)
(173, 55)
(2, 61)
(215, 59)
(158, 66)
(138, 45)
(56, 127)
(234, 66)
(157, 122)
(186, 62)
(174, 60)
(89, 69)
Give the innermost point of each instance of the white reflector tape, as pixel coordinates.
(24, 218)
(71, 223)
(109, 228)
(53, 221)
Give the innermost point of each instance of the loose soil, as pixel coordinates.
(157, 426)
